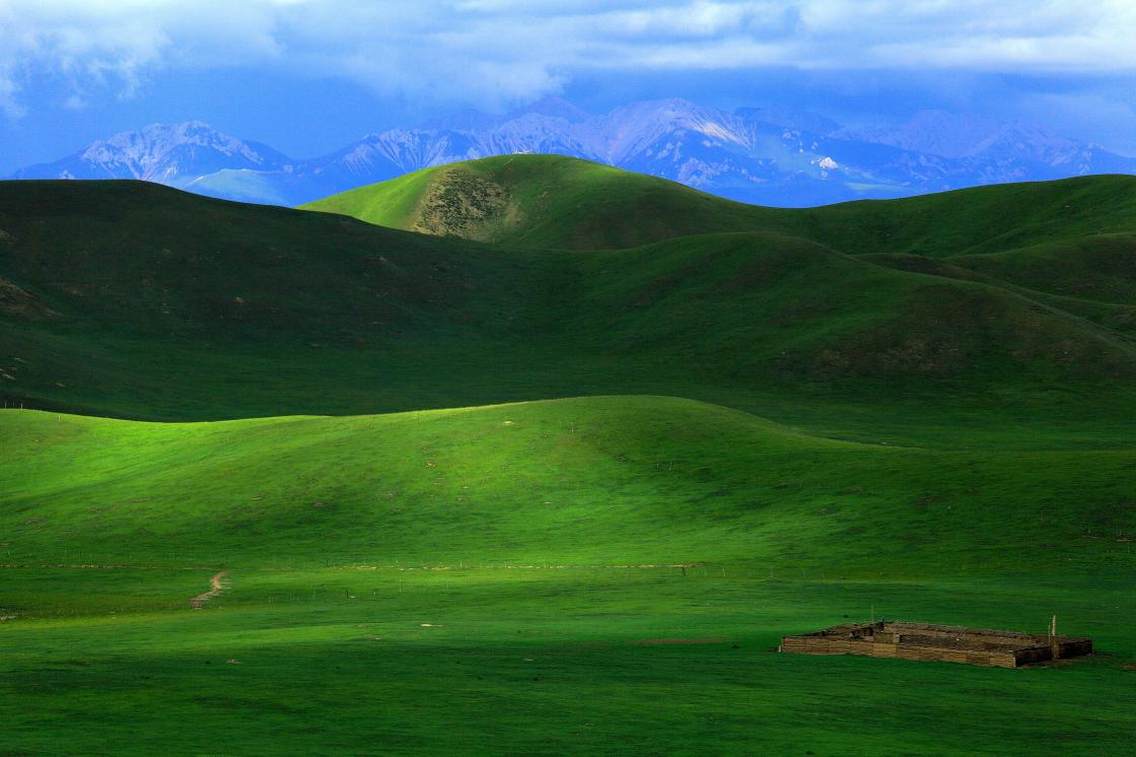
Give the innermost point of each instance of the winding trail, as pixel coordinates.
(217, 584)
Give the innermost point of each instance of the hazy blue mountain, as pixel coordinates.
(174, 154)
(767, 155)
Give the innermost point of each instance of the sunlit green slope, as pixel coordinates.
(540, 201)
(554, 201)
(583, 481)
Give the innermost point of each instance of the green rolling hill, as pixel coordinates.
(583, 481)
(553, 201)
(139, 301)
(541, 201)
(1101, 268)
(556, 474)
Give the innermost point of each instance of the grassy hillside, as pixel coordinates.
(975, 221)
(581, 481)
(1101, 268)
(553, 201)
(156, 260)
(1066, 244)
(447, 580)
(725, 424)
(541, 201)
(134, 300)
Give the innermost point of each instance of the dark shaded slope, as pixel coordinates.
(974, 221)
(1100, 267)
(1066, 243)
(147, 259)
(749, 305)
(134, 300)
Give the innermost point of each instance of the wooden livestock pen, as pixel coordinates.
(921, 641)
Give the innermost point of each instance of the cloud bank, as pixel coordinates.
(498, 52)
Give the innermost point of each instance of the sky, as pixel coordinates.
(309, 76)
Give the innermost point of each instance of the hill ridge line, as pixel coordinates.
(760, 420)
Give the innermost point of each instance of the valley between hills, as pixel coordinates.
(532, 455)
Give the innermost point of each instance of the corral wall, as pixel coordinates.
(820, 645)
(916, 641)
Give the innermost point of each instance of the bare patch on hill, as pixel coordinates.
(461, 204)
(18, 302)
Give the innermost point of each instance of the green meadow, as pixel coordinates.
(578, 575)
(540, 660)
(538, 457)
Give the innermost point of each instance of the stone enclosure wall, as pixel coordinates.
(919, 641)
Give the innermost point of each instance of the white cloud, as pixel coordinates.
(9, 102)
(488, 51)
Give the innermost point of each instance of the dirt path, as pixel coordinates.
(217, 584)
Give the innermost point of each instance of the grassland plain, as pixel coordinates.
(768, 422)
(516, 578)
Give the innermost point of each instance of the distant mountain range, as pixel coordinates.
(768, 156)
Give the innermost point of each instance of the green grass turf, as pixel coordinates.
(538, 541)
(545, 661)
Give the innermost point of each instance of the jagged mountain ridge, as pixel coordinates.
(769, 156)
(165, 153)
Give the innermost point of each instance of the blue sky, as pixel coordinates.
(307, 76)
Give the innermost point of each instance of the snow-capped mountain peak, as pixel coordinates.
(768, 155)
(634, 128)
(167, 153)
